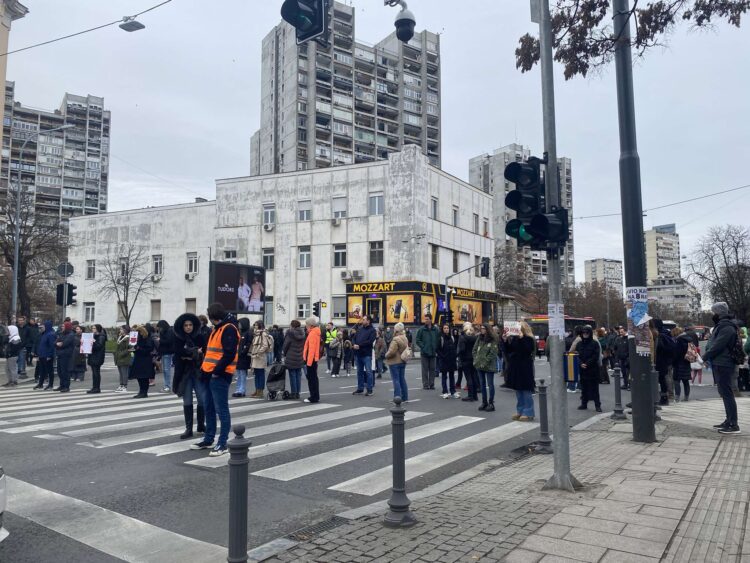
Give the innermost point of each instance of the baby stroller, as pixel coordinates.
(275, 381)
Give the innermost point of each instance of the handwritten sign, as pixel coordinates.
(514, 328)
(87, 343)
(133, 340)
(638, 317)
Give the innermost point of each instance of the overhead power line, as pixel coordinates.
(692, 199)
(84, 31)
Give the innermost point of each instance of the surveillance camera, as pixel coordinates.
(405, 23)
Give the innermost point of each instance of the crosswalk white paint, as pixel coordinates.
(68, 404)
(377, 481)
(255, 452)
(326, 460)
(72, 411)
(8, 400)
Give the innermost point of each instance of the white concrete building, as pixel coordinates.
(605, 270)
(677, 295)
(662, 252)
(361, 232)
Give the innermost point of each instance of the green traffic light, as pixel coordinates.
(516, 229)
(303, 22)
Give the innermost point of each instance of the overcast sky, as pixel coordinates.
(185, 98)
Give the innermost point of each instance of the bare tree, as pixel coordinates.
(596, 300)
(42, 246)
(721, 266)
(126, 276)
(511, 275)
(584, 39)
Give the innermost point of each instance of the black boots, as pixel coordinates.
(490, 407)
(187, 410)
(201, 420)
(483, 407)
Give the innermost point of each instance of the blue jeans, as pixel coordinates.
(524, 403)
(364, 373)
(260, 378)
(21, 361)
(269, 358)
(486, 380)
(400, 388)
(166, 369)
(214, 395)
(295, 377)
(380, 365)
(241, 380)
(190, 386)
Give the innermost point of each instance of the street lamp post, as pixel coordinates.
(17, 236)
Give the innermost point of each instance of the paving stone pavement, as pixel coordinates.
(682, 499)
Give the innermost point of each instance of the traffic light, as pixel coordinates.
(308, 17)
(449, 317)
(60, 294)
(551, 227)
(71, 294)
(316, 309)
(485, 269)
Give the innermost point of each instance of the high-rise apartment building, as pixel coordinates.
(10, 11)
(606, 271)
(662, 253)
(346, 103)
(486, 172)
(66, 171)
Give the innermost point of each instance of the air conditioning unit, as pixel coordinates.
(191, 276)
(346, 275)
(156, 277)
(268, 227)
(336, 222)
(358, 274)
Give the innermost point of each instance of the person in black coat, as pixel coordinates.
(446, 356)
(278, 342)
(519, 353)
(165, 352)
(465, 358)
(142, 367)
(188, 354)
(65, 345)
(243, 359)
(681, 370)
(589, 353)
(96, 358)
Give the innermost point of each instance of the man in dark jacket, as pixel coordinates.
(718, 352)
(621, 352)
(219, 365)
(65, 345)
(363, 342)
(25, 332)
(96, 359)
(588, 355)
(427, 341)
(46, 353)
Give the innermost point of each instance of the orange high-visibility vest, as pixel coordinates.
(214, 351)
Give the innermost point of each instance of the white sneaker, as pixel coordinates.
(306, 401)
(328, 371)
(334, 375)
(121, 389)
(166, 390)
(456, 395)
(445, 395)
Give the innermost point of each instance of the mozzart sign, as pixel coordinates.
(418, 287)
(373, 287)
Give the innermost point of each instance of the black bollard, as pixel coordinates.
(238, 475)
(618, 414)
(399, 515)
(657, 392)
(544, 446)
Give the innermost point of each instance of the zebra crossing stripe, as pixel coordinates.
(39, 396)
(110, 428)
(62, 402)
(71, 412)
(176, 447)
(305, 439)
(377, 481)
(326, 460)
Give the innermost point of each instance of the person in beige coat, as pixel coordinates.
(262, 344)
(396, 364)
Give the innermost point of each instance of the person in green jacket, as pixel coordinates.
(123, 358)
(485, 362)
(427, 341)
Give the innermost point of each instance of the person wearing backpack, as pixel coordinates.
(396, 359)
(262, 344)
(685, 354)
(665, 352)
(724, 351)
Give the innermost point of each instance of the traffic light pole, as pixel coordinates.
(65, 296)
(447, 278)
(561, 478)
(632, 220)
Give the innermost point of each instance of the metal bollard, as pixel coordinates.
(618, 414)
(238, 474)
(544, 446)
(657, 392)
(399, 515)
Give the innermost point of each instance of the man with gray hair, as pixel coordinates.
(719, 351)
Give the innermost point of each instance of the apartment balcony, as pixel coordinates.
(386, 112)
(323, 75)
(342, 83)
(362, 157)
(342, 41)
(412, 66)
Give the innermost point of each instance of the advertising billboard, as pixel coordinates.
(400, 308)
(240, 288)
(354, 309)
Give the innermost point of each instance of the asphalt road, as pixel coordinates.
(313, 461)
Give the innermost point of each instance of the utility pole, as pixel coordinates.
(561, 478)
(632, 231)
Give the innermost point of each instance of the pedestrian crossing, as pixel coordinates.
(344, 447)
(705, 413)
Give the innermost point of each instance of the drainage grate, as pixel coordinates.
(310, 532)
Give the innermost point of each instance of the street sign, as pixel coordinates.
(65, 270)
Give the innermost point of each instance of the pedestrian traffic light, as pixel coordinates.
(316, 309)
(71, 294)
(60, 294)
(525, 200)
(551, 227)
(308, 17)
(485, 269)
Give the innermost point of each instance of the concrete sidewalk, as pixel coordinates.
(684, 498)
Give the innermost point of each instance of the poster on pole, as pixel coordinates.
(133, 340)
(514, 328)
(87, 343)
(637, 308)
(556, 319)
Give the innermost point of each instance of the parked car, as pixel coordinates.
(3, 502)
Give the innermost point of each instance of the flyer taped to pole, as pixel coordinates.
(637, 306)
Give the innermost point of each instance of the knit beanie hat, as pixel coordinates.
(720, 308)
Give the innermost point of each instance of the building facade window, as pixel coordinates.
(192, 262)
(376, 253)
(485, 227)
(230, 256)
(376, 206)
(157, 264)
(155, 309)
(89, 312)
(304, 210)
(269, 213)
(477, 266)
(90, 269)
(435, 256)
(268, 258)
(339, 207)
(476, 224)
(339, 256)
(339, 307)
(303, 307)
(455, 216)
(190, 306)
(434, 204)
(305, 258)
(455, 261)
